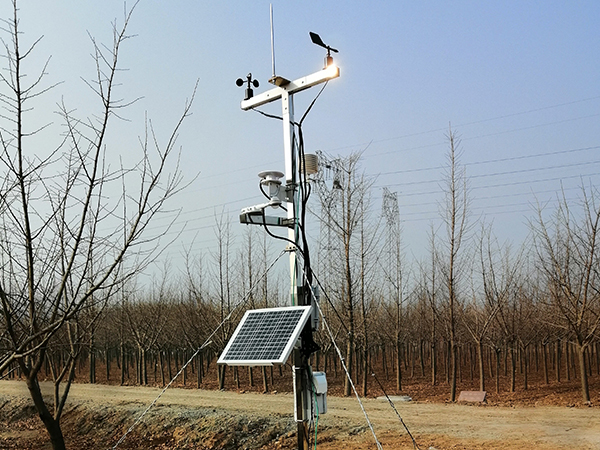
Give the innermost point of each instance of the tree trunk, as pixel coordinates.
(52, 426)
(513, 370)
(585, 389)
(471, 363)
(92, 360)
(422, 356)
(567, 361)
(398, 367)
(107, 361)
(525, 368)
(491, 364)
(365, 383)
(497, 351)
(265, 380)
(221, 375)
(349, 364)
(557, 361)
(413, 356)
(122, 363)
(481, 368)
(545, 361)
(199, 368)
(433, 364)
(138, 367)
(454, 365)
(144, 367)
(183, 361)
(162, 367)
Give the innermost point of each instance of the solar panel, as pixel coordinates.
(265, 336)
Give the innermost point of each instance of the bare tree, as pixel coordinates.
(394, 273)
(455, 214)
(63, 238)
(498, 276)
(568, 250)
(431, 287)
(195, 312)
(223, 279)
(147, 318)
(340, 213)
(368, 292)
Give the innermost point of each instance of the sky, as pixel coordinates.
(517, 81)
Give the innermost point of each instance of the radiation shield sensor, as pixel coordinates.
(265, 337)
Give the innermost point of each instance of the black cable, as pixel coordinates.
(313, 102)
(415, 445)
(304, 195)
(329, 301)
(305, 189)
(270, 116)
(265, 226)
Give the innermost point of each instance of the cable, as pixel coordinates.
(305, 189)
(342, 362)
(281, 238)
(491, 161)
(415, 445)
(270, 116)
(437, 130)
(431, 181)
(314, 389)
(205, 344)
(348, 375)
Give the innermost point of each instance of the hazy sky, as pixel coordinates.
(519, 82)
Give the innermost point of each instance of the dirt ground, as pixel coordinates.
(98, 415)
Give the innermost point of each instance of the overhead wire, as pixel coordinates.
(491, 161)
(342, 361)
(348, 376)
(391, 403)
(487, 186)
(520, 157)
(305, 187)
(200, 348)
(466, 124)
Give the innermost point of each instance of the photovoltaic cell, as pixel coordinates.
(265, 336)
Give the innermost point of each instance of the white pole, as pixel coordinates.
(272, 41)
(291, 167)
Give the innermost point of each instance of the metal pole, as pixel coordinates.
(287, 106)
(298, 295)
(301, 392)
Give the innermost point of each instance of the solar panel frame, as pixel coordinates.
(266, 336)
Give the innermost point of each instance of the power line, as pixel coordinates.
(409, 194)
(490, 161)
(205, 344)
(467, 124)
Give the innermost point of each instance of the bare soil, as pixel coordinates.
(98, 415)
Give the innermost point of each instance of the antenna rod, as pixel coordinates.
(272, 40)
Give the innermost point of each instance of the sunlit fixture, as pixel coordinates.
(317, 40)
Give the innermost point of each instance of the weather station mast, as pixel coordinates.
(269, 336)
